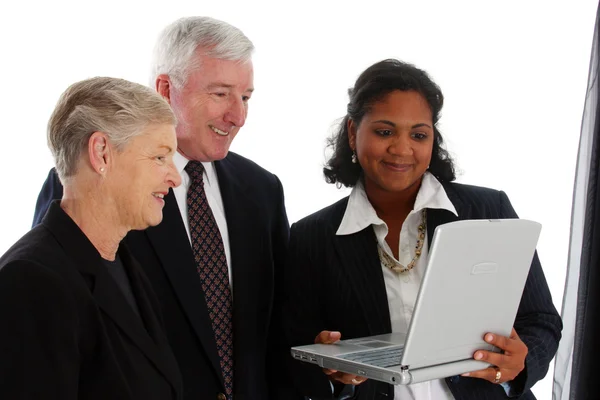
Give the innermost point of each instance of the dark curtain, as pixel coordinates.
(585, 381)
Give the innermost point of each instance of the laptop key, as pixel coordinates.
(379, 358)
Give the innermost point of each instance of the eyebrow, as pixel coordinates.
(164, 146)
(226, 86)
(390, 123)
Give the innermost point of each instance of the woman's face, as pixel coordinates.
(141, 175)
(394, 142)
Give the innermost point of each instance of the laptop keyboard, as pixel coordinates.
(380, 358)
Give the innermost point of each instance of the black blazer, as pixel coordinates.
(336, 283)
(258, 234)
(68, 332)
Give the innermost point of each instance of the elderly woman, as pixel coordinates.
(79, 319)
(355, 267)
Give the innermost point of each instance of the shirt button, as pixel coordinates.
(221, 396)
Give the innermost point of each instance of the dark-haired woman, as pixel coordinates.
(355, 267)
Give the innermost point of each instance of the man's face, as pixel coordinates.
(211, 107)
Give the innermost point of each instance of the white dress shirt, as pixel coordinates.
(402, 288)
(213, 195)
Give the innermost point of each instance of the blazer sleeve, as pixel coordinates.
(299, 308)
(277, 353)
(51, 190)
(38, 335)
(280, 231)
(538, 324)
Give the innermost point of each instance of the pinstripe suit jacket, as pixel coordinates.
(336, 283)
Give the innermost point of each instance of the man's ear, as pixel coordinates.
(163, 87)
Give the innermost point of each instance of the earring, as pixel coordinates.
(101, 169)
(354, 159)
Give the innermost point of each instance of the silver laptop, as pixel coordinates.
(472, 285)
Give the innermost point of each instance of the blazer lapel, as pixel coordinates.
(104, 289)
(242, 225)
(436, 217)
(165, 361)
(358, 255)
(172, 245)
(359, 259)
(245, 240)
(113, 303)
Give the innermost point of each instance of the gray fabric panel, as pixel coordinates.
(571, 319)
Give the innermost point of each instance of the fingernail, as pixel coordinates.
(489, 337)
(466, 374)
(478, 356)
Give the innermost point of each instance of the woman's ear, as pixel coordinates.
(99, 152)
(351, 125)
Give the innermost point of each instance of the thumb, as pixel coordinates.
(328, 337)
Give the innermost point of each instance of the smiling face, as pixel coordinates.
(394, 142)
(143, 173)
(211, 107)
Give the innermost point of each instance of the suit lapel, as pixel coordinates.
(244, 226)
(140, 287)
(105, 291)
(436, 217)
(358, 255)
(113, 303)
(243, 222)
(171, 243)
(359, 259)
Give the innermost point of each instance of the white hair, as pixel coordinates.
(176, 45)
(119, 108)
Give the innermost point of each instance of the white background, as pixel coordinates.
(514, 75)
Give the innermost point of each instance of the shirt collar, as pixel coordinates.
(210, 175)
(360, 213)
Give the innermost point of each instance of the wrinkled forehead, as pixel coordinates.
(210, 71)
(155, 135)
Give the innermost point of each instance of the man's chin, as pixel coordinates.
(219, 155)
(214, 155)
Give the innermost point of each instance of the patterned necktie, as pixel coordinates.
(209, 253)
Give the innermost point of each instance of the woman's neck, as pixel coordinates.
(392, 205)
(97, 219)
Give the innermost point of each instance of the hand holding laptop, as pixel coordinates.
(330, 337)
(506, 366)
(472, 264)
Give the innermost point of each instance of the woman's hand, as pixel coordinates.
(506, 366)
(329, 337)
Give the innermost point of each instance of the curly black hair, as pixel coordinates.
(371, 86)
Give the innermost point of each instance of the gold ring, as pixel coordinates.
(498, 375)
